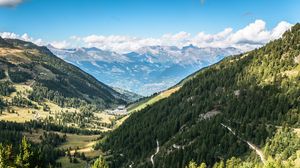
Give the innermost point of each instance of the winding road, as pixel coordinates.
(251, 145)
(157, 150)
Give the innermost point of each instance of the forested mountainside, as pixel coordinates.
(50, 77)
(242, 109)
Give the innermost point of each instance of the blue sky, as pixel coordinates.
(56, 20)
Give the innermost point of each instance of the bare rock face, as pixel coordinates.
(237, 92)
(297, 59)
(209, 114)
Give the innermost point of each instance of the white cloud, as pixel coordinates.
(251, 36)
(60, 44)
(24, 37)
(9, 35)
(10, 3)
(254, 33)
(280, 29)
(76, 38)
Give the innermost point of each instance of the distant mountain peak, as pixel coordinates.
(145, 71)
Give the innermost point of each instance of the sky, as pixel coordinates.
(126, 25)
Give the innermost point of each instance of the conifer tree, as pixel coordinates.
(100, 163)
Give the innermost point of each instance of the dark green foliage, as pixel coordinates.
(2, 105)
(20, 101)
(280, 151)
(52, 139)
(41, 154)
(19, 76)
(10, 136)
(6, 88)
(2, 74)
(251, 92)
(79, 118)
(33, 125)
(285, 143)
(41, 93)
(4, 43)
(27, 155)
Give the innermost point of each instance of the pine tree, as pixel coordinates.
(100, 163)
(202, 165)
(3, 161)
(24, 157)
(192, 164)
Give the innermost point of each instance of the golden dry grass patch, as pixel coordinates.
(57, 109)
(297, 130)
(105, 118)
(155, 99)
(22, 115)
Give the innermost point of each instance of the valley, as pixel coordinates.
(146, 71)
(149, 84)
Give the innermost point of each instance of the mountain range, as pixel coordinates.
(145, 71)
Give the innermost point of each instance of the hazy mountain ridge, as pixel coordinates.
(147, 70)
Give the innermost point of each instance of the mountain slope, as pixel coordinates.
(52, 78)
(252, 94)
(129, 96)
(146, 71)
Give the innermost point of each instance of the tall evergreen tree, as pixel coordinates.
(100, 163)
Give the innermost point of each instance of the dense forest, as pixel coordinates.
(17, 151)
(243, 98)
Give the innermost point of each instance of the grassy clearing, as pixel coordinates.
(105, 118)
(82, 143)
(120, 121)
(66, 163)
(141, 105)
(23, 114)
(78, 141)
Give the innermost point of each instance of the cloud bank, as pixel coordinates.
(24, 37)
(10, 3)
(247, 38)
(251, 36)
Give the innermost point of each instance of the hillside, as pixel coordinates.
(37, 85)
(54, 105)
(26, 63)
(129, 96)
(148, 101)
(235, 108)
